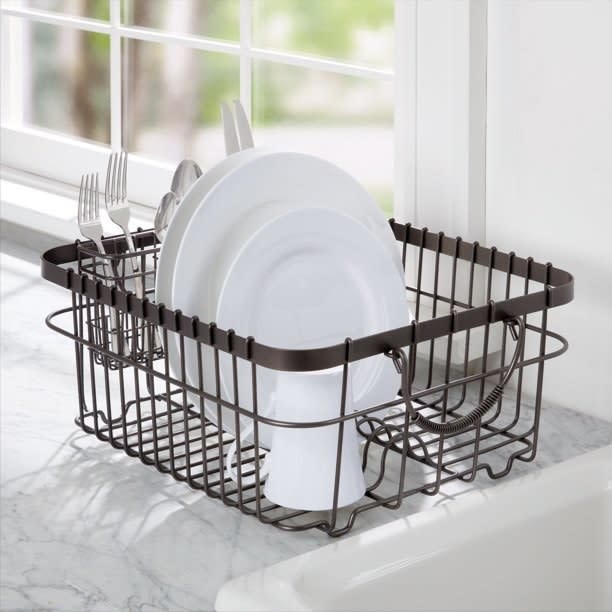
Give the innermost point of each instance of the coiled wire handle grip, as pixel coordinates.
(462, 423)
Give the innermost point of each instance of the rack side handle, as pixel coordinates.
(466, 421)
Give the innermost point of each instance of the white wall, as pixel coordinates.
(549, 171)
(448, 135)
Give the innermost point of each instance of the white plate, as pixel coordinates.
(307, 279)
(180, 219)
(242, 200)
(262, 185)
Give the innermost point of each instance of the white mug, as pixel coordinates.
(247, 480)
(301, 465)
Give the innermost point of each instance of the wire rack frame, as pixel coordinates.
(470, 375)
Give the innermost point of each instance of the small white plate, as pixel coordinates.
(308, 279)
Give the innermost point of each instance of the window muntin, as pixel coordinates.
(352, 107)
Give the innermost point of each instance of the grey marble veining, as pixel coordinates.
(84, 527)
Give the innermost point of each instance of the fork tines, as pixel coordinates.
(89, 202)
(116, 179)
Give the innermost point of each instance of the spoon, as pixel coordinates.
(185, 175)
(164, 213)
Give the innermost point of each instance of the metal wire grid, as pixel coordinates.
(134, 401)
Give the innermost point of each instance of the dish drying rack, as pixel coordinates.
(470, 374)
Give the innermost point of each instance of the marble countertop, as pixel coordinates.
(84, 527)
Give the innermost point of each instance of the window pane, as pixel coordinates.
(352, 30)
(344, 119)
(211, 18)
(95, 9)
(63, 79)
(172, 98)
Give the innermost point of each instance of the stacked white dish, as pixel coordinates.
(291, 250)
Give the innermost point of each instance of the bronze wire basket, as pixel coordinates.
(470, 374)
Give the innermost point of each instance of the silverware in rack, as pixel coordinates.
(118, 208)
(186, 173)
(236, 128)
(163, 214)
(91, 227)
(237, 135)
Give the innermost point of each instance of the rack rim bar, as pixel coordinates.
(558, 290)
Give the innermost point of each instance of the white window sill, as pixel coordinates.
(50, 208)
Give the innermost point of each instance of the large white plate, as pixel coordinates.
(244, 194)
(243, 199)
(180, 219)
(307, 279)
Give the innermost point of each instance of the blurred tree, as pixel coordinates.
(91, 111)
(328, 28)
(324, 27)
(69, 86)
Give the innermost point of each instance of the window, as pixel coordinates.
(82, 76)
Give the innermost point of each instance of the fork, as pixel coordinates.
(115, 199)
(118, 208)
(91, 228)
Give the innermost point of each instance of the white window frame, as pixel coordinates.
(64, 159)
